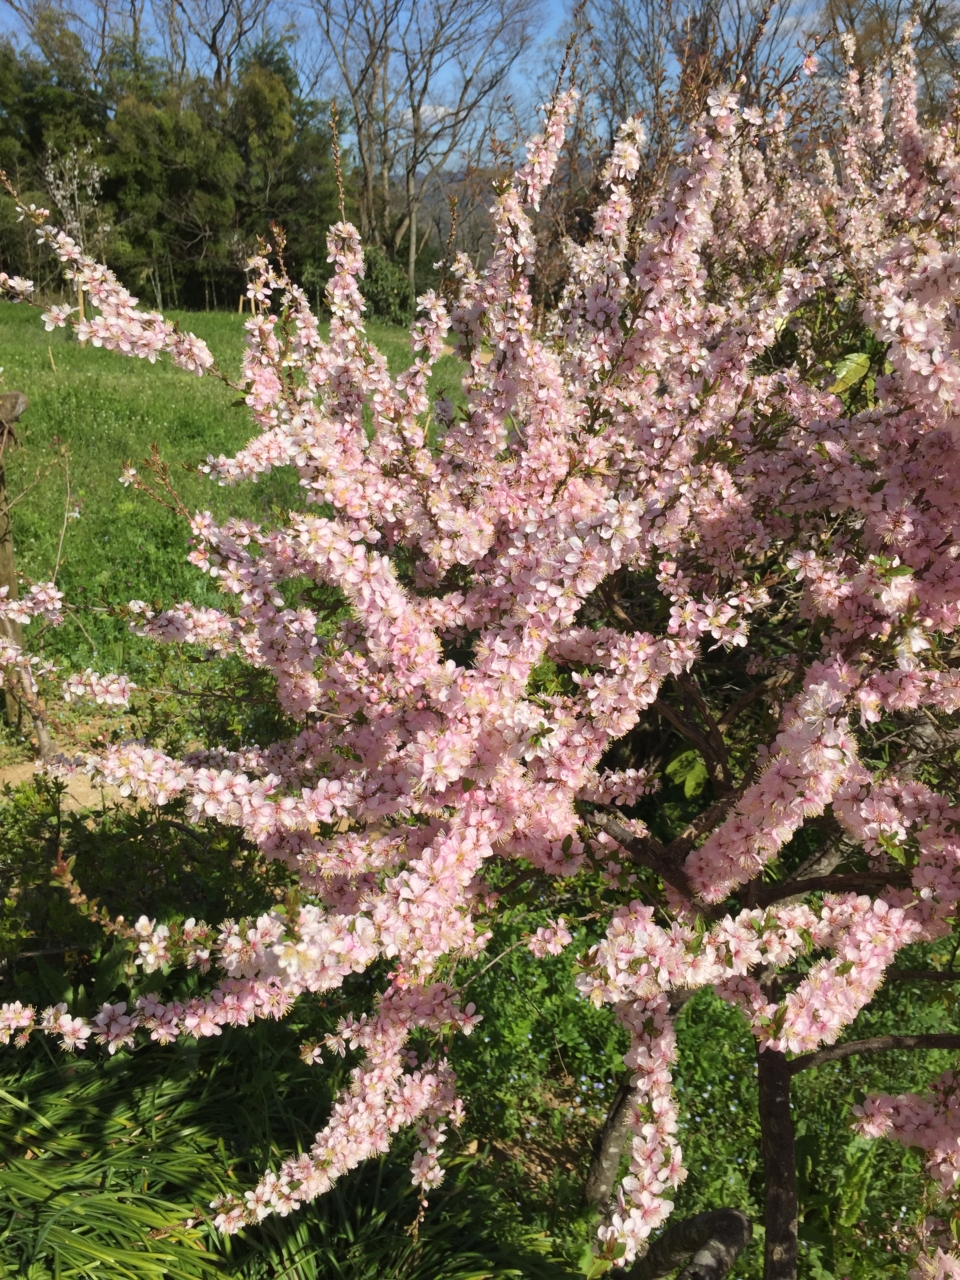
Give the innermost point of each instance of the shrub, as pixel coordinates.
(386, 288)
(658, 638)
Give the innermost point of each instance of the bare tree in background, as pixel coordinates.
(81, 37)
(457, 202)
(661, 58)
(455, 58)
(205, 36)
(360, 34)
(878, 25)
(420, 77)
(220, 28)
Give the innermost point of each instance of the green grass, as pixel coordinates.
(91, 412)
(103, 1160)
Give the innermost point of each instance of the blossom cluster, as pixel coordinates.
(550, 939)
(18, 668)
(656, 1160)
(657, 433)
(110, 690)
(930, 1123)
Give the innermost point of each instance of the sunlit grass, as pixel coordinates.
(90, 413)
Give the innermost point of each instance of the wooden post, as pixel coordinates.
(12, 406)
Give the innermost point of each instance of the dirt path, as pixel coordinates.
(82, 791)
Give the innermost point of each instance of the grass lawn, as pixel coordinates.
(91, 412)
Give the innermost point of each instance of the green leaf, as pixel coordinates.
(689, 771)
(110, 971)
(55, 984)
(849, 371)
(890, 846)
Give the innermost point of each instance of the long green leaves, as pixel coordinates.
(99, 1171)
(103, 1165)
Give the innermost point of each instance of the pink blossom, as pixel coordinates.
(461, 705)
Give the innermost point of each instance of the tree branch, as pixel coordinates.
(875, 1044)
(750, 695)
(714, 736)
(690, 732)
(608, 1145)
(770, 894)
(925, 975)
(667, 861)
(648, 851)
(715, 1239)
(609, 1142)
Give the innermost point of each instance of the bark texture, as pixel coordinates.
(610, 1141)
(709, 1244)
(779, 1167)
(608, 1146)
(12, 405)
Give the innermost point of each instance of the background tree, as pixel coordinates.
(419, 77)
(877, 24)
(220, 28)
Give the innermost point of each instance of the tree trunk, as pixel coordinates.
(779, 1167)
(711, 1241)
(12, 405)
(8, 579)
(412, 251)
(608, 1146)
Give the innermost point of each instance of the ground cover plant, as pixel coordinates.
(104, 1167)
(656, 631)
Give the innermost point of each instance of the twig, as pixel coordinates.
(496, 960)
(335, 148)
(48, 951)
(924, 975)
(75, 614)
(66, 516)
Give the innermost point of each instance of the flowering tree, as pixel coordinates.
(679, 500)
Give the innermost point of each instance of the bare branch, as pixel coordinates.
(770, 894)
(924, 975)
(648, 851)
(875, 1044)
